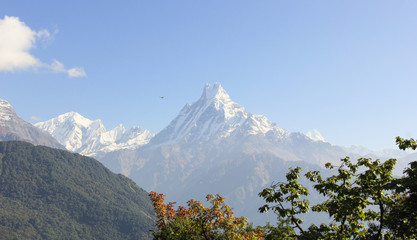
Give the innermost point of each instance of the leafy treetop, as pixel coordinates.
(199, 222)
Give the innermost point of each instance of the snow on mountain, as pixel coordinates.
(72, 130)
(215, 146)
(12, 127)
(7, 112)
(315, 135)
(82, 135)
(214, 116)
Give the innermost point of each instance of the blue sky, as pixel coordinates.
(345, 68)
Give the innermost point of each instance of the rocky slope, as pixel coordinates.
(12, 127)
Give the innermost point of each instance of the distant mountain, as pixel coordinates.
(12, 127)
(47, 193)
(79, 134)
(403, 163)
(215, 146)
(381, 154)
(315, 135)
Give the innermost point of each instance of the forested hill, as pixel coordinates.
(47, 193)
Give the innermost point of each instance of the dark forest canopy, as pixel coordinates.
(47, 193)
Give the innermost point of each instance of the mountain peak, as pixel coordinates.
(5, 104)
(215, 92)
(315, 136)
(214, 116)
(12, 127)
(76, 118)
(215, 96)
(88, 137)
(6, 111)
(72, 115)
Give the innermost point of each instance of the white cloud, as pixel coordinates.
(59, 67)
(43, 34)
(76, 72)
(34, 118)
(16, 41)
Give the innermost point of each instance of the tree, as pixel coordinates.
(350, 193)
(404, 144)
(283, 230)
(290, 192)
(363, 200)
(402, 216)
(199, 222)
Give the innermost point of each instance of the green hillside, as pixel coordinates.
(47, 193)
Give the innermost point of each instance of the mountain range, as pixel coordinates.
(81, 135)
(213, 146)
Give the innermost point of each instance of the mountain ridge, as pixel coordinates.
(48, 193)
(12, 127)
(88, 137)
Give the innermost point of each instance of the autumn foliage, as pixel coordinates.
(198, 222)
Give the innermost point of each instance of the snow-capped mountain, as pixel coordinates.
(215, 146)
(12, 127)
(82, 135)
(215, 116)
(7, 112)
(315, 135)
(215, 119)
